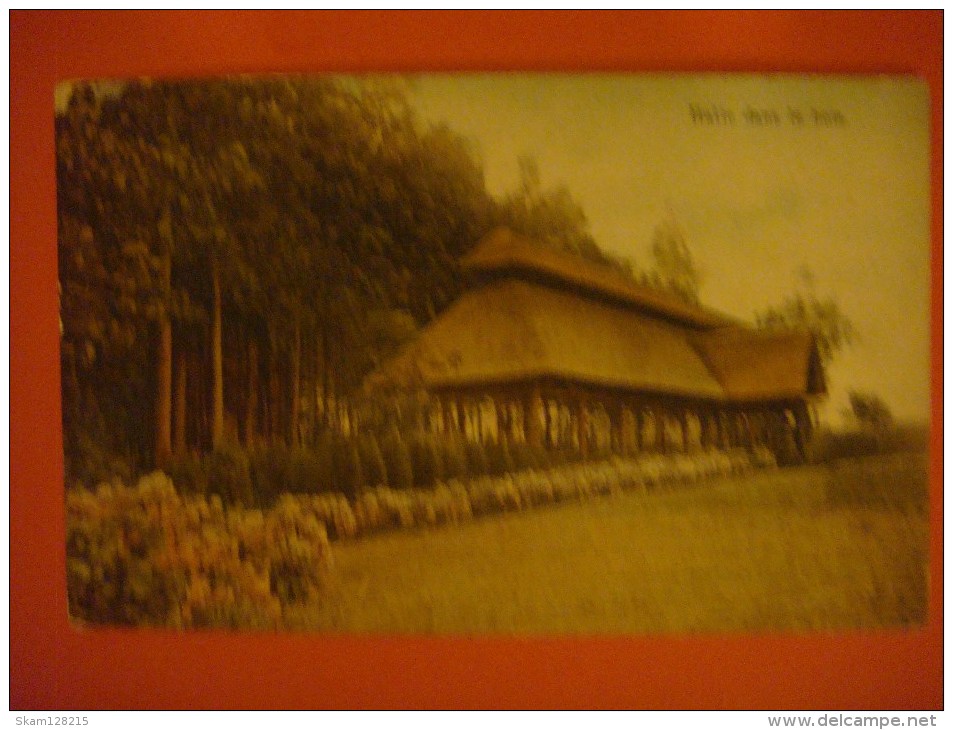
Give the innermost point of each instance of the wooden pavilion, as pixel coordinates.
(554, 350)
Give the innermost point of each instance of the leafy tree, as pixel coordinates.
(869, 410)
(550, 216)
(114, 272)
(675, 268)
(823, 317)
(253, 246)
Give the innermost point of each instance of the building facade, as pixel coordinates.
(557, 351)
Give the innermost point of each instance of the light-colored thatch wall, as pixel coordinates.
(516, 331)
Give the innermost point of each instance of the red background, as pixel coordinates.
(55, 666)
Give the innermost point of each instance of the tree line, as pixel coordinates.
(236, 254)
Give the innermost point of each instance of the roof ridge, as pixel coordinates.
(502, 250)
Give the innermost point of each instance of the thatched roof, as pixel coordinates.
(755, 365)
(602, 331)
(503, 251)
(511, 331)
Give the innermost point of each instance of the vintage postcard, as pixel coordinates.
(496, 354)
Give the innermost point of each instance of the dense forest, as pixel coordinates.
(235, 255)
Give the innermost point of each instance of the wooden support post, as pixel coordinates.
(639, 416)
(802, 417)
(642, 416)
(449, 423)
(747, 435)
(722, 437)
(626, 434)
(461, 407)
(582, 427)
(802, 428)
(561, 438)
(776, 424)
(695, 430)
(532, 428)
(548, 424)
(501, 420)
(752, 428)
(613, 415)
(757, 427)
(714, 431)
(731, 430)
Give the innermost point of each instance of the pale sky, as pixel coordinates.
(845, 193)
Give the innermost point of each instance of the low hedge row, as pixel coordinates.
(148, 556)
(456, 500)
(340, 465)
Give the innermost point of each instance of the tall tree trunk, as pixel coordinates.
(274, 400)
(295, 384)
(218, 389)
(164, 379)
(326, 386)
(251, 405)
(181, 383)
(198, 397)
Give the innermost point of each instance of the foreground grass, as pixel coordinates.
(812, 548)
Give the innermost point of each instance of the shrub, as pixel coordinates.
(527, 456)
(426, 460)
(397, 461)
(229, 476)
(499, 459)
(781, 441)
(300, 554)
(225, 472)
(110, 541)
(561, 455)
(146, 556)
(477, 464)
(454, 456)
(831, 445)
(333, 510)
(189, 473)
(87, 461)
(375, 470)
(306, 472)
(348, 469)
(268, 466)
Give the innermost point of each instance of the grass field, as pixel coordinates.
(811, 548)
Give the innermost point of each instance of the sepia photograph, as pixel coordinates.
(496, 354)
